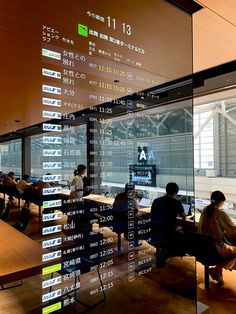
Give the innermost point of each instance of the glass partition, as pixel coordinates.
(107, 86)
(215, 147)
(163, 136)
(214, 154)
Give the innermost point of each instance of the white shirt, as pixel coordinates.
(76, 184)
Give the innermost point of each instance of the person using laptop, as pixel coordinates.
(120, 205)
(216, 223)
(126, 204)
(164, 212)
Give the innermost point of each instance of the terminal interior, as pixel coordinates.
(154, 104)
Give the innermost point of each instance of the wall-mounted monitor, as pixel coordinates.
(143, 174)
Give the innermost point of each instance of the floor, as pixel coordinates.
(169, 290)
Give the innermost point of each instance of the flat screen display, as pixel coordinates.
(143, 175)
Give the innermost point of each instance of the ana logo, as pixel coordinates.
(52, 229)
(52, 152)
(50, 178)
(51, 102)
(50, 204)
(51, 54)
(51, 73)
(51, 114)
(51, 295)
(51, 127)
(51, 255)
(52, 165)
(51, 191)
(51, 243)
(51, 282)
(51, 89)
(52, 216)
(52, 140)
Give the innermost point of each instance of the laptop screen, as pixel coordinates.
(145, 202)
(186, 209)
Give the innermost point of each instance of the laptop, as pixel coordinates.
(187, 210)
(145, 202)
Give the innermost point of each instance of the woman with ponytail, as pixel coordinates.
(216, 223)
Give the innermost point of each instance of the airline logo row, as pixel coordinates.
(54, 281)
(52, 191)
(51, 54)
(51, 89)
(52, 127)
(52, 140)
(51, 204)
(52, 165)
(51, 102)
(51, 73)
(51, 114)
(52, 177)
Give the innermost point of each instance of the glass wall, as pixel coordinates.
(214, 152)
(215, 158)
(165, 138)
(107, 85)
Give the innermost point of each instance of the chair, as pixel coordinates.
(203, 247)
(2, 204)
(23, 220)
(16, 194)
(3, 191)
(6, 211)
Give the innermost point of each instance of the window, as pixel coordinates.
(10, 157)
(203, 142)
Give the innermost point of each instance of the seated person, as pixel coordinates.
(216, 223)
(40, 185)
(120, 205)
(23, 183)
(164, 212)
(34, 192)
(9, 183)
(125, 202)
(1, 176)
(9, 180)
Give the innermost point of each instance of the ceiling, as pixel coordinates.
(214, 34)
(214, 43)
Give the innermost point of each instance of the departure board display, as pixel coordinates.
(90, 53)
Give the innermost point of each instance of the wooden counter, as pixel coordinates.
(20, 256)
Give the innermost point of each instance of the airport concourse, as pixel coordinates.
(118, 157)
